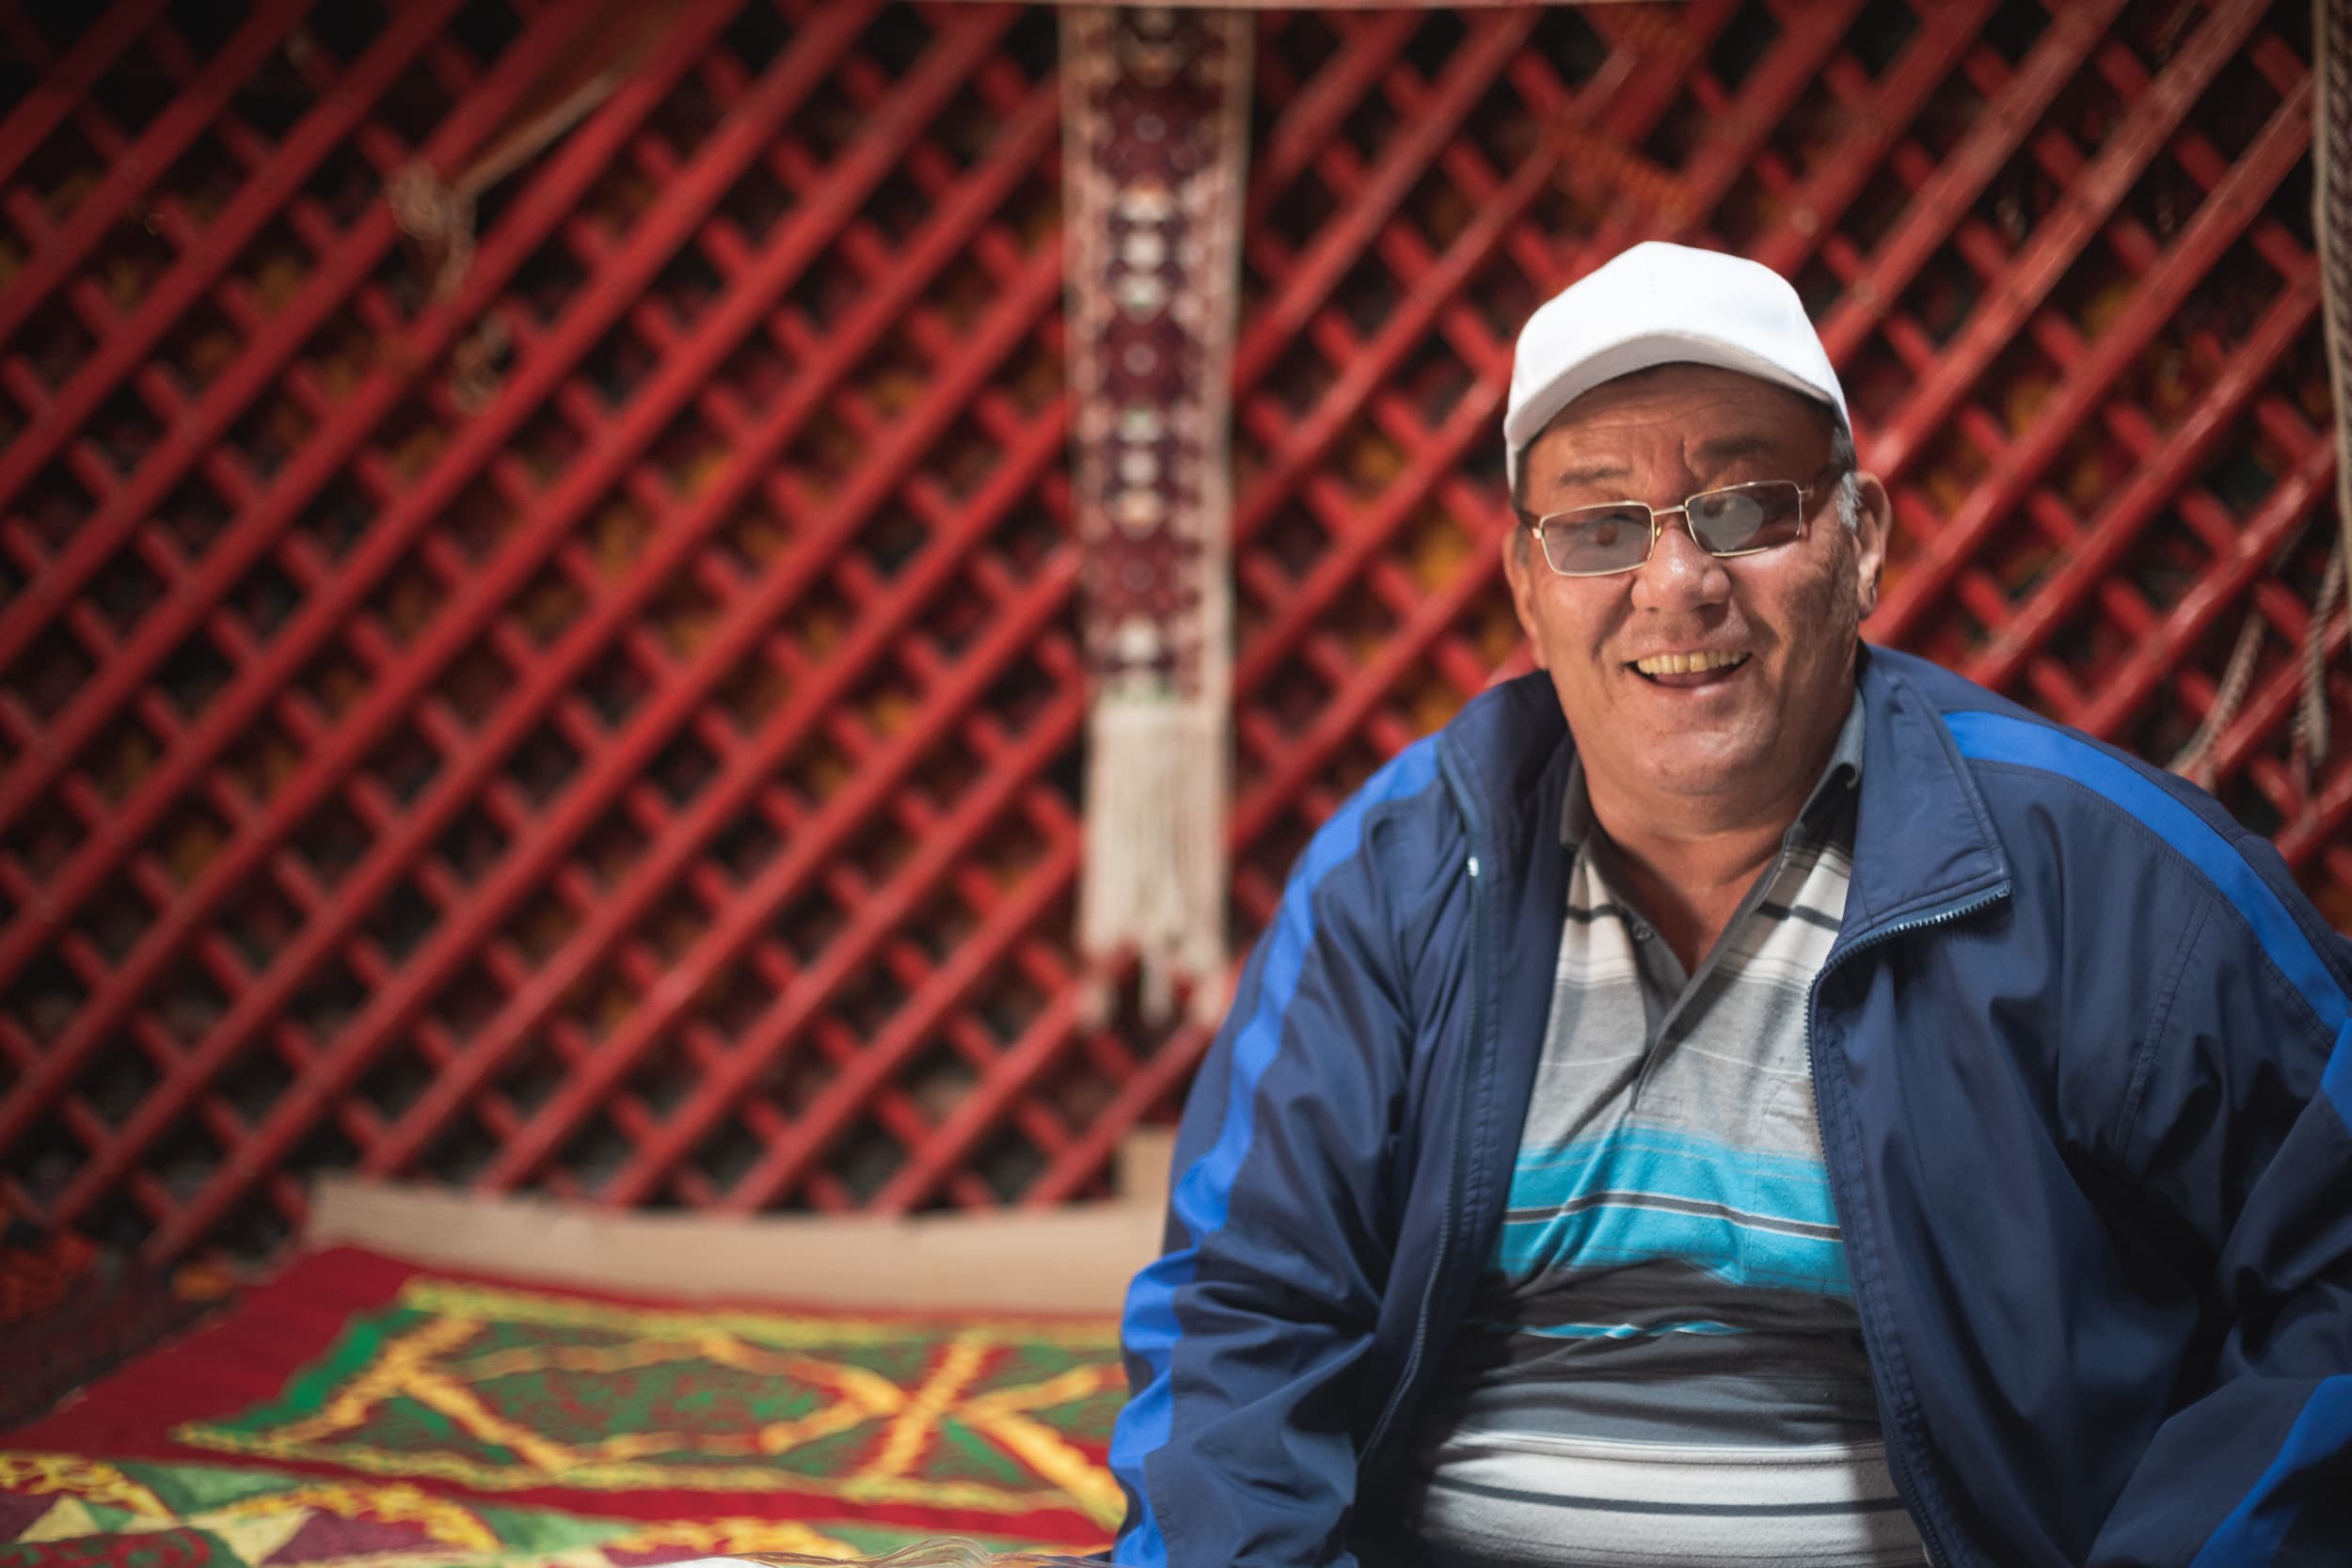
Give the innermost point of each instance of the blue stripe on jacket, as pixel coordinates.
(2258, 1527)
(2254, 1530)
(1998, 737)
(1200, 1198)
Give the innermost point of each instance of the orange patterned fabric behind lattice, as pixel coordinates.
(613, 729)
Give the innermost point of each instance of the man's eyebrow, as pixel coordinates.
(1713, 454)
(1591, 475)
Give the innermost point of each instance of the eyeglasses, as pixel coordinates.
(1619, 536)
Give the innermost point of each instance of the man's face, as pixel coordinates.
(1646, 727)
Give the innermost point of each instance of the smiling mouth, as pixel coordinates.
(1699, 669)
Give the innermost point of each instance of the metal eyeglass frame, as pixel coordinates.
(1805, 493)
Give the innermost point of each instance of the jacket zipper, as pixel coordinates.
(1895, 1449)
(1454, 1184)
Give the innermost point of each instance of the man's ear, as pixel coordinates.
(1520, 569)
(1871, 531)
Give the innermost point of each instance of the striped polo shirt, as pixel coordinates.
(1662, 1363)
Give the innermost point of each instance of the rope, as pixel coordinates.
(601, 51)
(2195, 762)
(439, 214)
(2311, 731)
(2331, 227)
(440, 218)
(2332, 222)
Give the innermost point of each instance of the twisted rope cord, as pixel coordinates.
(2331, 227)
(2331, 223)
(2311, 731)
(438, 214)
(2195, 762)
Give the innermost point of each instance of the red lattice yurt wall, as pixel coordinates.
(602, 714)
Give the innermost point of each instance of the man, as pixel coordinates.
(1735, 1095)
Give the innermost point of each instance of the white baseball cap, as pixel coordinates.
(1661, 304)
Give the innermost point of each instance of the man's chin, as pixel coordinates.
(1702, 773)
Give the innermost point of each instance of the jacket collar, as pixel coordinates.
(1923, 839)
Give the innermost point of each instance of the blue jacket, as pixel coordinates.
(2082, 1054)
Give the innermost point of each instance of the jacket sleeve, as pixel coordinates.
(2242, 1133)
(1236, 1446)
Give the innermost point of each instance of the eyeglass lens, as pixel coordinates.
(1590, 540)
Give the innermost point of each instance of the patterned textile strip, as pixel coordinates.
(1156, 126)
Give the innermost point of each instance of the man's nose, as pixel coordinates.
(1678, 575)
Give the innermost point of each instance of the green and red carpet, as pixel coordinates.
(362, 1410)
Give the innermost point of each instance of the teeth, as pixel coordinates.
(1687, 664)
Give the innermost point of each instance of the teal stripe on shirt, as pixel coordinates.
(1612, 1235)
(1628, 1331)
(1634, 1159)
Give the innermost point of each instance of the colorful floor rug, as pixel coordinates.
(361, 1408)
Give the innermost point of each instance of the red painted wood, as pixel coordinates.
(201, 270)
(2090, 195)
(650, 781)
(381, 710)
